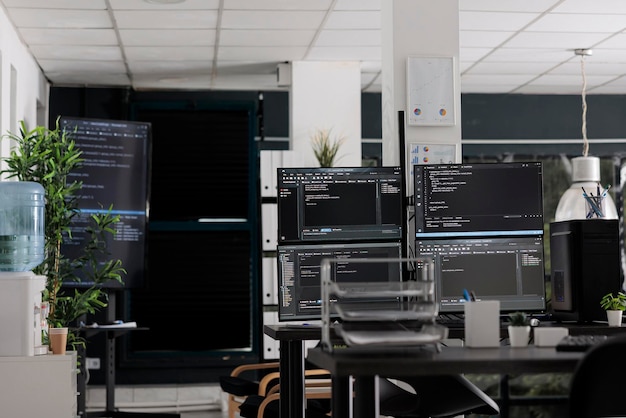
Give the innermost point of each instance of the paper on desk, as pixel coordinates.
(113, 325)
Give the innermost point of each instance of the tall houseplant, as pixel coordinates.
(48, 156)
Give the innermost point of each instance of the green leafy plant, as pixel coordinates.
(325, 148)
(610, 302)
(519, 319)
(48, 156)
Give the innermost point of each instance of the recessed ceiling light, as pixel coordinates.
(164, 1)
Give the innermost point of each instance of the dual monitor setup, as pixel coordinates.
(482, 223)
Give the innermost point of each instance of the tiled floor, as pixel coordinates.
(210, 414)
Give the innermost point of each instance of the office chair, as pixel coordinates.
(243, 382)
(317, 394)
(597, 385)
(435, 397)
(250, 396)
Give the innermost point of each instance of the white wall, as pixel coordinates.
(23, 87)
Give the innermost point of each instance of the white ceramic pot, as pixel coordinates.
(614, 318)
(518, 336)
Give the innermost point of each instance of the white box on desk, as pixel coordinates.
(482, 323)
(549, 336)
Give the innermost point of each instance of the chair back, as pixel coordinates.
(597, 386)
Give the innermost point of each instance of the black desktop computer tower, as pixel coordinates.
(584, 265)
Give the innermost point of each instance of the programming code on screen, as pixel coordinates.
(339, 204)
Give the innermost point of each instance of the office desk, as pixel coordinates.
(291, 364)
(291, 339)
(109, 365)
(365, 364)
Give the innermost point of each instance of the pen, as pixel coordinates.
(467, 296)
(593, 204)
(472, 296)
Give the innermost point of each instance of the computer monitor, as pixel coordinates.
(507, 269)
(115, 171)
(478, 199)
(483, 224)
(299, 276)
(340, 204)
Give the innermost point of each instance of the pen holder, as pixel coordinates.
(482, 323)
(594, 206)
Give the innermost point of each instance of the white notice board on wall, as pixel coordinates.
(430, 91)
(422, 153)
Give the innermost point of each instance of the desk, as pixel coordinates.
(291, 364)
(365, 364)
(109, 364)
(291, 339)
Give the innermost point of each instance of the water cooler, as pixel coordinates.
(22, 215)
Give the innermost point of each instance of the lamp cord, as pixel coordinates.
(584, 115)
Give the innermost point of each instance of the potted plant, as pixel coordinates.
(519, 329)
(324, 148)
(48, 156)
(614, 305)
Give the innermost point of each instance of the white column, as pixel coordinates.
(423, 28)
(326, 95)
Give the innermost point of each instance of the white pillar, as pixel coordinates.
(420, 28)
(326, 95)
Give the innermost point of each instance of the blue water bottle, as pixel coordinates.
(22, 213)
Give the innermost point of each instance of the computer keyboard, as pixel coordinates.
(579, 342)
(451, 321)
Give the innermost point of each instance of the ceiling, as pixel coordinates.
(507, 46)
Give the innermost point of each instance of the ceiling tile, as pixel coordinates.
(353, 53)
(579, 23)
(189, 19)
(265, 37)
(58, 36)
(58, 66)
(56, 4)
(262, 53)
(349, 38)
(510, 68)
(144, 5)
(169, 37)
(508, 6)
(169, 68)
(564, 40)
(169, 53)
(481, 38)
(69, 53)
(233, 19)
(353, 20)
(56, 18)
(589, 7)
(495, 21)
(357, 4)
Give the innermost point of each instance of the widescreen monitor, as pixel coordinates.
(115, 171)
(299, 275)
(478, 199)
(507, 269)
(340, 204)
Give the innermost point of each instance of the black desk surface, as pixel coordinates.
(288, 332)
(451, 360)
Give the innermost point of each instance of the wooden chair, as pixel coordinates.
(243, 385)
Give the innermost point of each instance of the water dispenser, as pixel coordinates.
(22, 213)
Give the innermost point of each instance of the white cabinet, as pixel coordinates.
(38, 386)
(270, 162)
